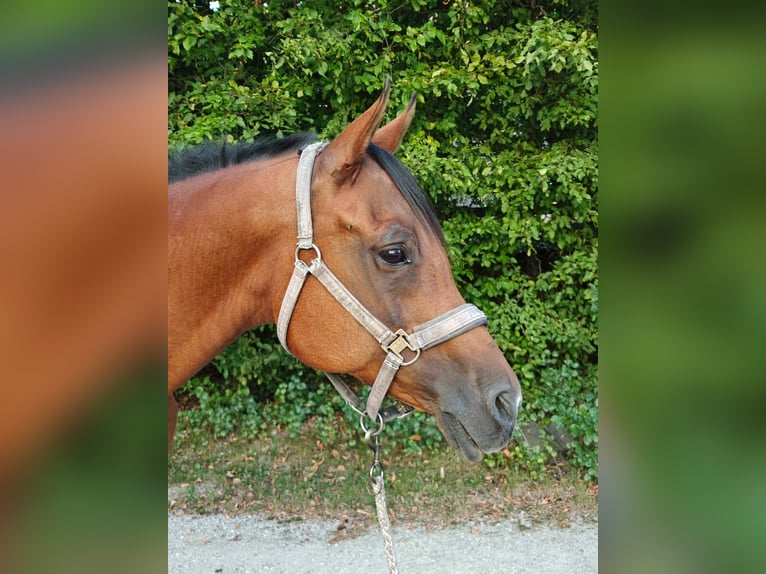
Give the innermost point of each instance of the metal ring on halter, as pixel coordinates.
(313, 246)
(369, 432)
(415, 358)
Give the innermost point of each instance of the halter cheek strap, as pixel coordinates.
(442, 328)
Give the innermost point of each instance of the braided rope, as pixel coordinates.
(379, 489)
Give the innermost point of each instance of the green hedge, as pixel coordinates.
(504, 140)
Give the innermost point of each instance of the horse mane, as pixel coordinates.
(209, 157)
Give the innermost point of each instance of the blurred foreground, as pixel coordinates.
(82, 299)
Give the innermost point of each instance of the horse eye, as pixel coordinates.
(394, 256)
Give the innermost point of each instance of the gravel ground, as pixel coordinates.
(217, 544)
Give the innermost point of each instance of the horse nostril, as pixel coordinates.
(504, 407)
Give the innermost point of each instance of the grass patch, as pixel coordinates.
(304, 478)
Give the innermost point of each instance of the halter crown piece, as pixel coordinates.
(444, 327)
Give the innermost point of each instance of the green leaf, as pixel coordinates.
(189, 42)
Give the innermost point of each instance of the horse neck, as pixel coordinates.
(229, 234)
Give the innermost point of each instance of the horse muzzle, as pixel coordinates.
(476, 428)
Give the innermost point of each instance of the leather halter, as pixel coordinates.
(444, 327)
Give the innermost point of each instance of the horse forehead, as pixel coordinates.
(383, 198)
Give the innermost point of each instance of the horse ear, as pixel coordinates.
(390, 136)
(342, 158)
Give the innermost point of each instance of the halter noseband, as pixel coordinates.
(444, 327)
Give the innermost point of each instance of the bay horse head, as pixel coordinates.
(368, 291)
(372, 294)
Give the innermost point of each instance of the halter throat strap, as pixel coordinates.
(444, 327)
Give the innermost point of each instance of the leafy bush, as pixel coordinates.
(504, 141)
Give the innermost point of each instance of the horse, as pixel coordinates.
(370, 255)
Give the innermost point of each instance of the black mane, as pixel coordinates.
(210, 157)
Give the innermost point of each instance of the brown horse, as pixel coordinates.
(232, 258)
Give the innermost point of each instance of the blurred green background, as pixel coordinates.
(683, 288)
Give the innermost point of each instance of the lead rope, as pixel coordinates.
(379, 490)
